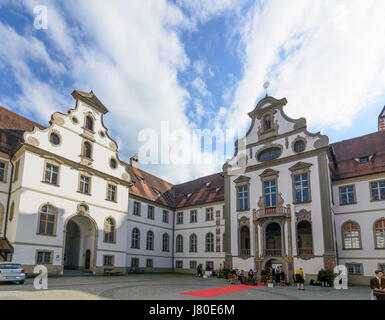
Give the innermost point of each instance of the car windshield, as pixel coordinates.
(10, 266)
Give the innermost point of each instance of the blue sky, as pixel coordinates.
(197, 64)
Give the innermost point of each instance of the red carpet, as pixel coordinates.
(207, 293)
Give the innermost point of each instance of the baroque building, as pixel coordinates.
(287, 197)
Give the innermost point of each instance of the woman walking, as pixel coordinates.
(300, 279)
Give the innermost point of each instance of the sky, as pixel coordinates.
(169, 68)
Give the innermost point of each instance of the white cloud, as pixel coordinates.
(334, 63)
(199, 85)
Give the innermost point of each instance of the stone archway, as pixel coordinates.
(80, 243)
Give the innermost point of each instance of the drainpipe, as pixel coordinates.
(173, 240)
(9, 194)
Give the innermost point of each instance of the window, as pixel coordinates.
(378, 190)
(136, 208)
(381, 267)
(113, 164)
(16, 175)
(134, 262)
(209, 242)
(54, 139)
(269, 154)
(89, 123)
(193, 264)
(270, 193)
(150, 241)
(44, 257)
(301, 188)
(193, 243)
(109, 230)
(347, 195)
(165, 242)
(149, 263)
(193, 216)
(2, 171)
(179, 218)
(243, 197)
(353, 268)
(165, 216)
(12, 211)
(351, 236)
(87, 150)
(47, 220)
(108, 260)
(179, 243)
(51, 174)
(209, 214)
(299, 146)
(179, 264)
(84, 186)
(380, 234)
(150, 212)
(364, 160)
(111, 192)
(135, 239)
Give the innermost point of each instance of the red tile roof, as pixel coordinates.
(365, 146)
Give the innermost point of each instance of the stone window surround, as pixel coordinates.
(370, 190)
(196, 243)
(355, 263)
(241, 181)
(17, 169)
(151, 246)
(83, 155)
(51, 252)
(354, 194)
(150, 209)
(193, 213)
(298, 138)
(55, 211)
(150, 263)
(165, 214)
(297, 169)
(53, 131)
(132, 238)
(55, 163)
(12, 211)
(177, 249)
(268, 175)
(179, 217)
(114, 184)
(112, 260)
(306, 256)
(212, 213)
(5, 171)
(86, 115)
(104, 230)
(86, 174)
(206, 242)
(374, 234)
(343, 237)
(139, 206)
(165, 236)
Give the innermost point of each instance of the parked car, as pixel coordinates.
(11, 272)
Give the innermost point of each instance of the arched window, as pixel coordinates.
(89, 123)
(87, 149)
(193, 243)
(267, 122)
(351, 235)
(135, 239)
(165, 242)
(209, 242)
(179, 243)
(47, 220)
(304, 238)
(379, 233)
(150, 241)
(109, 230)
(12, 211)
(54, 139)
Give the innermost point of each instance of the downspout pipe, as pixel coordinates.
(9, 194)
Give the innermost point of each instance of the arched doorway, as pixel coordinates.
(80, 243)
(273, 240)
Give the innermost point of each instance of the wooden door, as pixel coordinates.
(88, 259)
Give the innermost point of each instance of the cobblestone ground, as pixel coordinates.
(164, 287)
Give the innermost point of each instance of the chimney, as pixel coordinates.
(381, 120)
(134, 162)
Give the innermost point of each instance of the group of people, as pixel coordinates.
(276, 276)
(236, 275)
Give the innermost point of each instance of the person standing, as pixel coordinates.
(300, 279)
(377, 284)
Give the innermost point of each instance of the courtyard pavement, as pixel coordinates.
(163, 286)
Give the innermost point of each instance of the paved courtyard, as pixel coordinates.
(164, 287)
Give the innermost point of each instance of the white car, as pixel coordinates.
(11, 272)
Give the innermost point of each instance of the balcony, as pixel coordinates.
(280, 211)
(305, 251)
(244, 252)
(273, 252)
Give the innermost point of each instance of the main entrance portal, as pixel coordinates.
(79, 243)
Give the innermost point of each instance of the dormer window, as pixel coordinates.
(364, 160)
(89, 123)
(156, 191)
(215, 190)
(207, 184)
(139, 178)
(188, 195)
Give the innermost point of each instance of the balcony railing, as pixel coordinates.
(244, 252)
(273, 211)
(305, 251)
(273, 252)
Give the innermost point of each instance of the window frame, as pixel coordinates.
(194, 214)
(113, 232)
(193, 245)
(378, 188)
(5, 171)
(50, 252)
(52, 163)
(343, 235)
(139, 206)
(115, 192)
(207, 244)
(209, 214)
(179, 217)
(347, 194)
(152, 210)
(179, 246)
(376, 247)
(137, 240)
(54, 224)
(150, 244)
(85, 175)
(112, 257)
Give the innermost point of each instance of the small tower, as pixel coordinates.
(381, 120)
